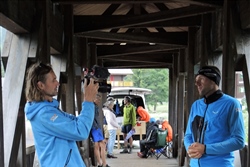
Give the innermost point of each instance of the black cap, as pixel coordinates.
(211, 72)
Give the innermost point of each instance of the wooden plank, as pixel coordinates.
(56, 32)
(217, 30)
(18, 154)
(98, 20)
(117, 51)
(14, 78)
(93, 54)
(17, 16)
(217, 3)
(229, 51)
(80, 26)
(205, 38)
(59, 65)
(169, 38)
(148, 58)
(7, 44)
(135, 65)
(244, 10)
(190, 70)
(180, 117)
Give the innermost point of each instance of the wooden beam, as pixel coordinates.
(180, 118)
(14, 78)
(115, 51)
(98, 20)
(17, 16)
(125, 65)
(244, 11)
(217, 3)
(177, 13)
(173, 38)
(192, 21)
(229, 51)
(56, 32)
(146, 58)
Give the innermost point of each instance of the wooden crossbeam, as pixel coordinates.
(217, 3)
(116, 51)
(80, 26)
(173, 38)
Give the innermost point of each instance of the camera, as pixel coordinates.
(100, 75)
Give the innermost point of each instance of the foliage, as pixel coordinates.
(155, 79)
(245, 116)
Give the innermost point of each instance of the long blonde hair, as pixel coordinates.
(35, 73)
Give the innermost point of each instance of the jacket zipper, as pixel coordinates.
(68, 158)
(204, 126)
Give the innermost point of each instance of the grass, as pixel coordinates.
(160, 113)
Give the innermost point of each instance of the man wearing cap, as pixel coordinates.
(215, 127)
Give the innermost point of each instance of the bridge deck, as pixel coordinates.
(132, 160)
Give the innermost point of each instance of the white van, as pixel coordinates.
(137, 96)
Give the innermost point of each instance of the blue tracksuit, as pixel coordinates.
(56, 132)
(221, 130)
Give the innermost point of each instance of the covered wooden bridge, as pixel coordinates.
(180, 35)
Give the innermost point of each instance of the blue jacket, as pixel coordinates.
(222, 132)
(56, 132)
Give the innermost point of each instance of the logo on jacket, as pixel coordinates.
(215, 112)
(54, 117)
(238, 109)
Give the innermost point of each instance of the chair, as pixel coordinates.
(161, 147)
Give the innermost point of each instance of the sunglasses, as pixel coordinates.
(42, 69)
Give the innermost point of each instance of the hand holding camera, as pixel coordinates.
(90, 90)
(100, 75)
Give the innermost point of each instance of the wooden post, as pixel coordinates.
(14, 77)
(229, 54)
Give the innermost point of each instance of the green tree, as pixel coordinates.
(245, 116)
(154, 79)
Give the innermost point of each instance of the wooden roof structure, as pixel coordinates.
(180, 35)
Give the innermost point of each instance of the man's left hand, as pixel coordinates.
(196, 150)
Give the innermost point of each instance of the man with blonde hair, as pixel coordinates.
(55, 131)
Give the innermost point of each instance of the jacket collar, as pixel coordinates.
(213, 97)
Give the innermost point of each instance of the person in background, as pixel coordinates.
(105, 131)
(166, 126)
(215, 127)
(112, 125)
(97, 136)
(129, 122)
(144, 115)
(150, 140)
(55, 131)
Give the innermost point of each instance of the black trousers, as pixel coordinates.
(145, 146)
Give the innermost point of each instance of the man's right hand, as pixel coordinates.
(90, 90)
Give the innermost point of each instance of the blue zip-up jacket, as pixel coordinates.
(222, 131)
(56, 132)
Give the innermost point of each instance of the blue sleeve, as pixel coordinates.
(66, 126)
(236, 129)
(188, 139)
